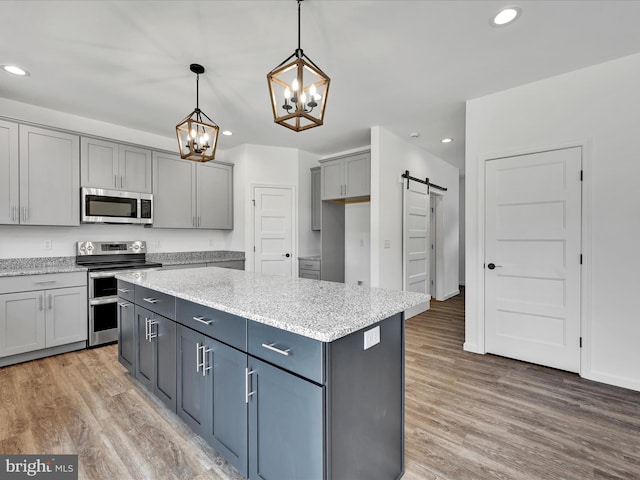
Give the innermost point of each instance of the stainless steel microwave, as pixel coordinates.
(99, 205)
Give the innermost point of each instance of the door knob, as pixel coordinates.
(491, 266)
(287, 255)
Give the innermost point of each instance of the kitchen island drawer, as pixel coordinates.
(126, 291)
(213, 323)
(158, 302)
(293, 352)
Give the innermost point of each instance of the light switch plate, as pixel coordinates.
(371, 337)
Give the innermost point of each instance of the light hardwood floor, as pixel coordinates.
(467, 416)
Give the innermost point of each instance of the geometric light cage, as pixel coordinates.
(197, 137)
(298, 93)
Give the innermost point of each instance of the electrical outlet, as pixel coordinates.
(47, 244)
(371, 337)
(158, 243)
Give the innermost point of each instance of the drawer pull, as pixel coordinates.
(48, 282)
(150, 300)
(202, 320)
(273, 348)
(123, 290)
(123, 304)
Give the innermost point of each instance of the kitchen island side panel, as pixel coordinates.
(365, 404)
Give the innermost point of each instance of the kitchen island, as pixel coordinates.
(286, 378)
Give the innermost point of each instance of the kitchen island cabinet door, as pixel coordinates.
(286, 433)
(144, 348)
(215, 195)
(49, 177)
(192, 384)
(9, 199)
(164, 337)
(126, 335)
(22, 322)
(227, 432)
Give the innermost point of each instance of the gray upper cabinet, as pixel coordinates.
(49, 177)
(346, 177)
(214, 193)
(114, 166)
(316, 201)
(9, 188)
(191, 195)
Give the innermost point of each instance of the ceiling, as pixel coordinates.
(408, 66)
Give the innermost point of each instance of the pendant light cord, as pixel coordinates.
(197, 91)
(299, 1)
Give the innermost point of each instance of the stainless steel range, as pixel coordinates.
(104, 260)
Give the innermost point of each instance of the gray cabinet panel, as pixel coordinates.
(332, 179)
(134, 168)
(98, 163)
(286, 433)
(22, 323)
(144, 348)
(311, 274)
(66, 314)
(228, 429)
(215, 195)
(174, 184)
(49, 177)
(165, 361)
(315, 198)
(9, 167)
(126, 291)
(192, 385)
(157, 302)
(357, 175)
(126, 334)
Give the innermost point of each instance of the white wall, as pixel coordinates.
(260, 165)
(390, 157)
(27, 241)
(598, 108)
(357, 243)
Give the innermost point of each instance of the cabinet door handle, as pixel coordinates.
(153, 334)
(121, 181)
(247, 393)
(13, 214)
(199, 220)
(146, 329)
(123, 290)
(205, 368)
(50, 301)
(115, 181)
(124, 305)
(150, 300)
(40, 302)
(193, 221)
(273, 348)
(197, 357)
(202, 320)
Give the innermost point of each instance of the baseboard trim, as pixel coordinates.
(472, 347)
(45, 352)
(616, 381)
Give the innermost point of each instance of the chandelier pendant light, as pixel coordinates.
(298, 89)
(197, 133)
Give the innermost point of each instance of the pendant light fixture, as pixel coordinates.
(197, 139)
(298, 90)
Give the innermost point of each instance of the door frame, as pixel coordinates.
(250, 239)
(475, 331)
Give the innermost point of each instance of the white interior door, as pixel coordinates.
(432, 247)
(273, 230)
(532, 258)
(416, 242)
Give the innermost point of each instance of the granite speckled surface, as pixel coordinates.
(10, 267)
(185, 258)
(324, 311)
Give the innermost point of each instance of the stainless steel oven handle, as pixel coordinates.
(102, 301)
(113, 273)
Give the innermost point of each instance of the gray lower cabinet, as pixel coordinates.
(126, 335)
(286, 434)
(42, 315)
(155, 359)
(211, 394)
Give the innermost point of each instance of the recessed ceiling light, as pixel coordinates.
(446, 140)
(227, 133)
(505, 16)
(15, 70)
(414, 134)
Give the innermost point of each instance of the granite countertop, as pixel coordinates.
(185, 258)
(10, 267)
(324, 311)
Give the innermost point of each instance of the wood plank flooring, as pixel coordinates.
(467, 416)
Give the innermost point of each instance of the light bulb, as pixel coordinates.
(312, 91)
(304, 98)
(205, 137)
(287, 93)
(294, 84)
